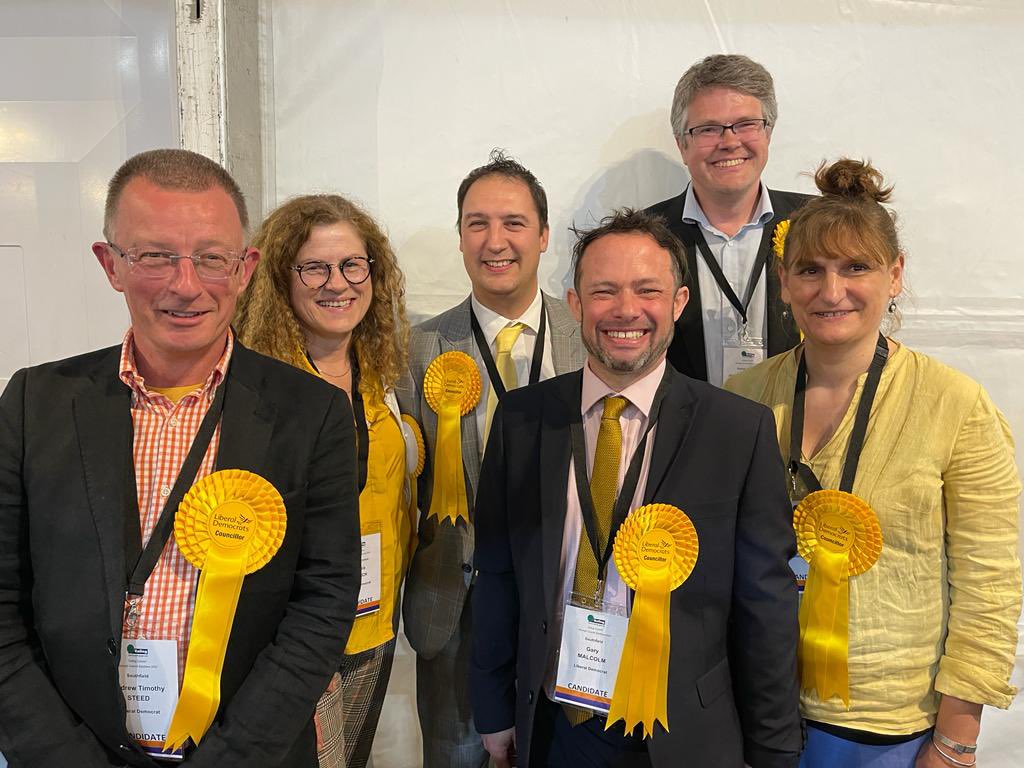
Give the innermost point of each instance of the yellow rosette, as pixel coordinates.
(451, 386)
(839, 536)
(229, 524)
(779, 239)
(655, 551)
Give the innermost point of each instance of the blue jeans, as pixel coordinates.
(823, 750)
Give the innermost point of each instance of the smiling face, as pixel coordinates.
(179, 322)
(627, 304)
(501, 242)
(329, 314)
(730, 169)
(839, 301)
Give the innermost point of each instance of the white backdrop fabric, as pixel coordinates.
(393, 103)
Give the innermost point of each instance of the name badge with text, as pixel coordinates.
(148, 674)
(738, 356)
(369, 587)
(589, 655)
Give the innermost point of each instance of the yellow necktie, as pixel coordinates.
(503, 343)
(604, 483)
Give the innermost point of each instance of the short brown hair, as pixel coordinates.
(733, 71)
(501, 164)
(172, 169)
(848, 217)
(627, 221)
(265, 319)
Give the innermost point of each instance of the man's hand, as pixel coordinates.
(331, 688)
(501, 746)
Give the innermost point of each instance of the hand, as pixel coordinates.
(331, 688)
(929, 757)
(501, 746)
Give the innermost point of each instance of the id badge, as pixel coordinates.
(589, 654)
(739, 355)
(148, 674)
(369, 586)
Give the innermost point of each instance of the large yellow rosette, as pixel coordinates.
(655, 551)
(229, 524)
(451, 386)
(839, 536)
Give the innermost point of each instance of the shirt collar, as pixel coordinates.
(640, 393)
(491, 322)
(694, 214)
(129, 372)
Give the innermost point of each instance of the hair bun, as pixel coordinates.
(852, 179)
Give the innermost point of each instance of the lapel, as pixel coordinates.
(456, 333)
(103, 423)
(782, 331)
(558, 413)
(566, 350)
(674, 422)
(690, 326)
(247, 421)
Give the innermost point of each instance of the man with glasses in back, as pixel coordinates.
(97, 451)
(723, 114)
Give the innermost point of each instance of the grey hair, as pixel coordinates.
(733, 71)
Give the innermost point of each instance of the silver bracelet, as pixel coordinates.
(956, 746)
(952, 760)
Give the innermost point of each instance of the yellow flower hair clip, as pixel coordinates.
(779, 239)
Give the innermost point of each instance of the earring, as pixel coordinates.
(785, 311)
(892, 305)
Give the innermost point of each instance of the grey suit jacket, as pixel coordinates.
(441, 571)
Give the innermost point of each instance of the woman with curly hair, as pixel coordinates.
(327, 297)
(903, 475)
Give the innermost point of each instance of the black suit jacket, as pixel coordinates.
(65, 449)
(732, 689)
(687, 352)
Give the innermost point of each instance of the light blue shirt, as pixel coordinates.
(735, 255)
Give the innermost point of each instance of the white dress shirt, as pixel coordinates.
(522, 351)
(736, 256)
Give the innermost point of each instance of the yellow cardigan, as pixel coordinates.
(938, 611)
(386, 505)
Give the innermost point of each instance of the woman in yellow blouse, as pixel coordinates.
(908, 622)
(327, 296)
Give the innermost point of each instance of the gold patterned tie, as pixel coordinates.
(503, 343)
(603, 484)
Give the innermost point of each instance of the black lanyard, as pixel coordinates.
(485, 352)
(860, 423)
(145, 560)
(359, 414)
(723, 284)
(620, 509)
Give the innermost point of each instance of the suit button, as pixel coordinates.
(544, 627)
(467, 568)
(529, 698)
(112, 646)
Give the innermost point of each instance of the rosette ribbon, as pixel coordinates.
(451, 387)
(655, 551)
(839, 536)
(229, 524)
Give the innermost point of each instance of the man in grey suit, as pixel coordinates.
(506, 323)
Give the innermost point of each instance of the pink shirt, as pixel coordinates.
(633, 422)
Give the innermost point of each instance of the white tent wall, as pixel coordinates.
(394, 102)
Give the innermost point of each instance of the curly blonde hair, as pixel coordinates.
(265, 320)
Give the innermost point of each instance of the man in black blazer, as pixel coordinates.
(72, 456)
(732, 686)
(723, 114)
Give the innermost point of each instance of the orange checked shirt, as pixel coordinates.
(163, 434)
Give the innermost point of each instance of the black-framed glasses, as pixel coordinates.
(316, 274)
(212, 264)
(711, 134)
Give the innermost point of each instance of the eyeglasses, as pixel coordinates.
(316, 274)
(214, 264)
(706, 135)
